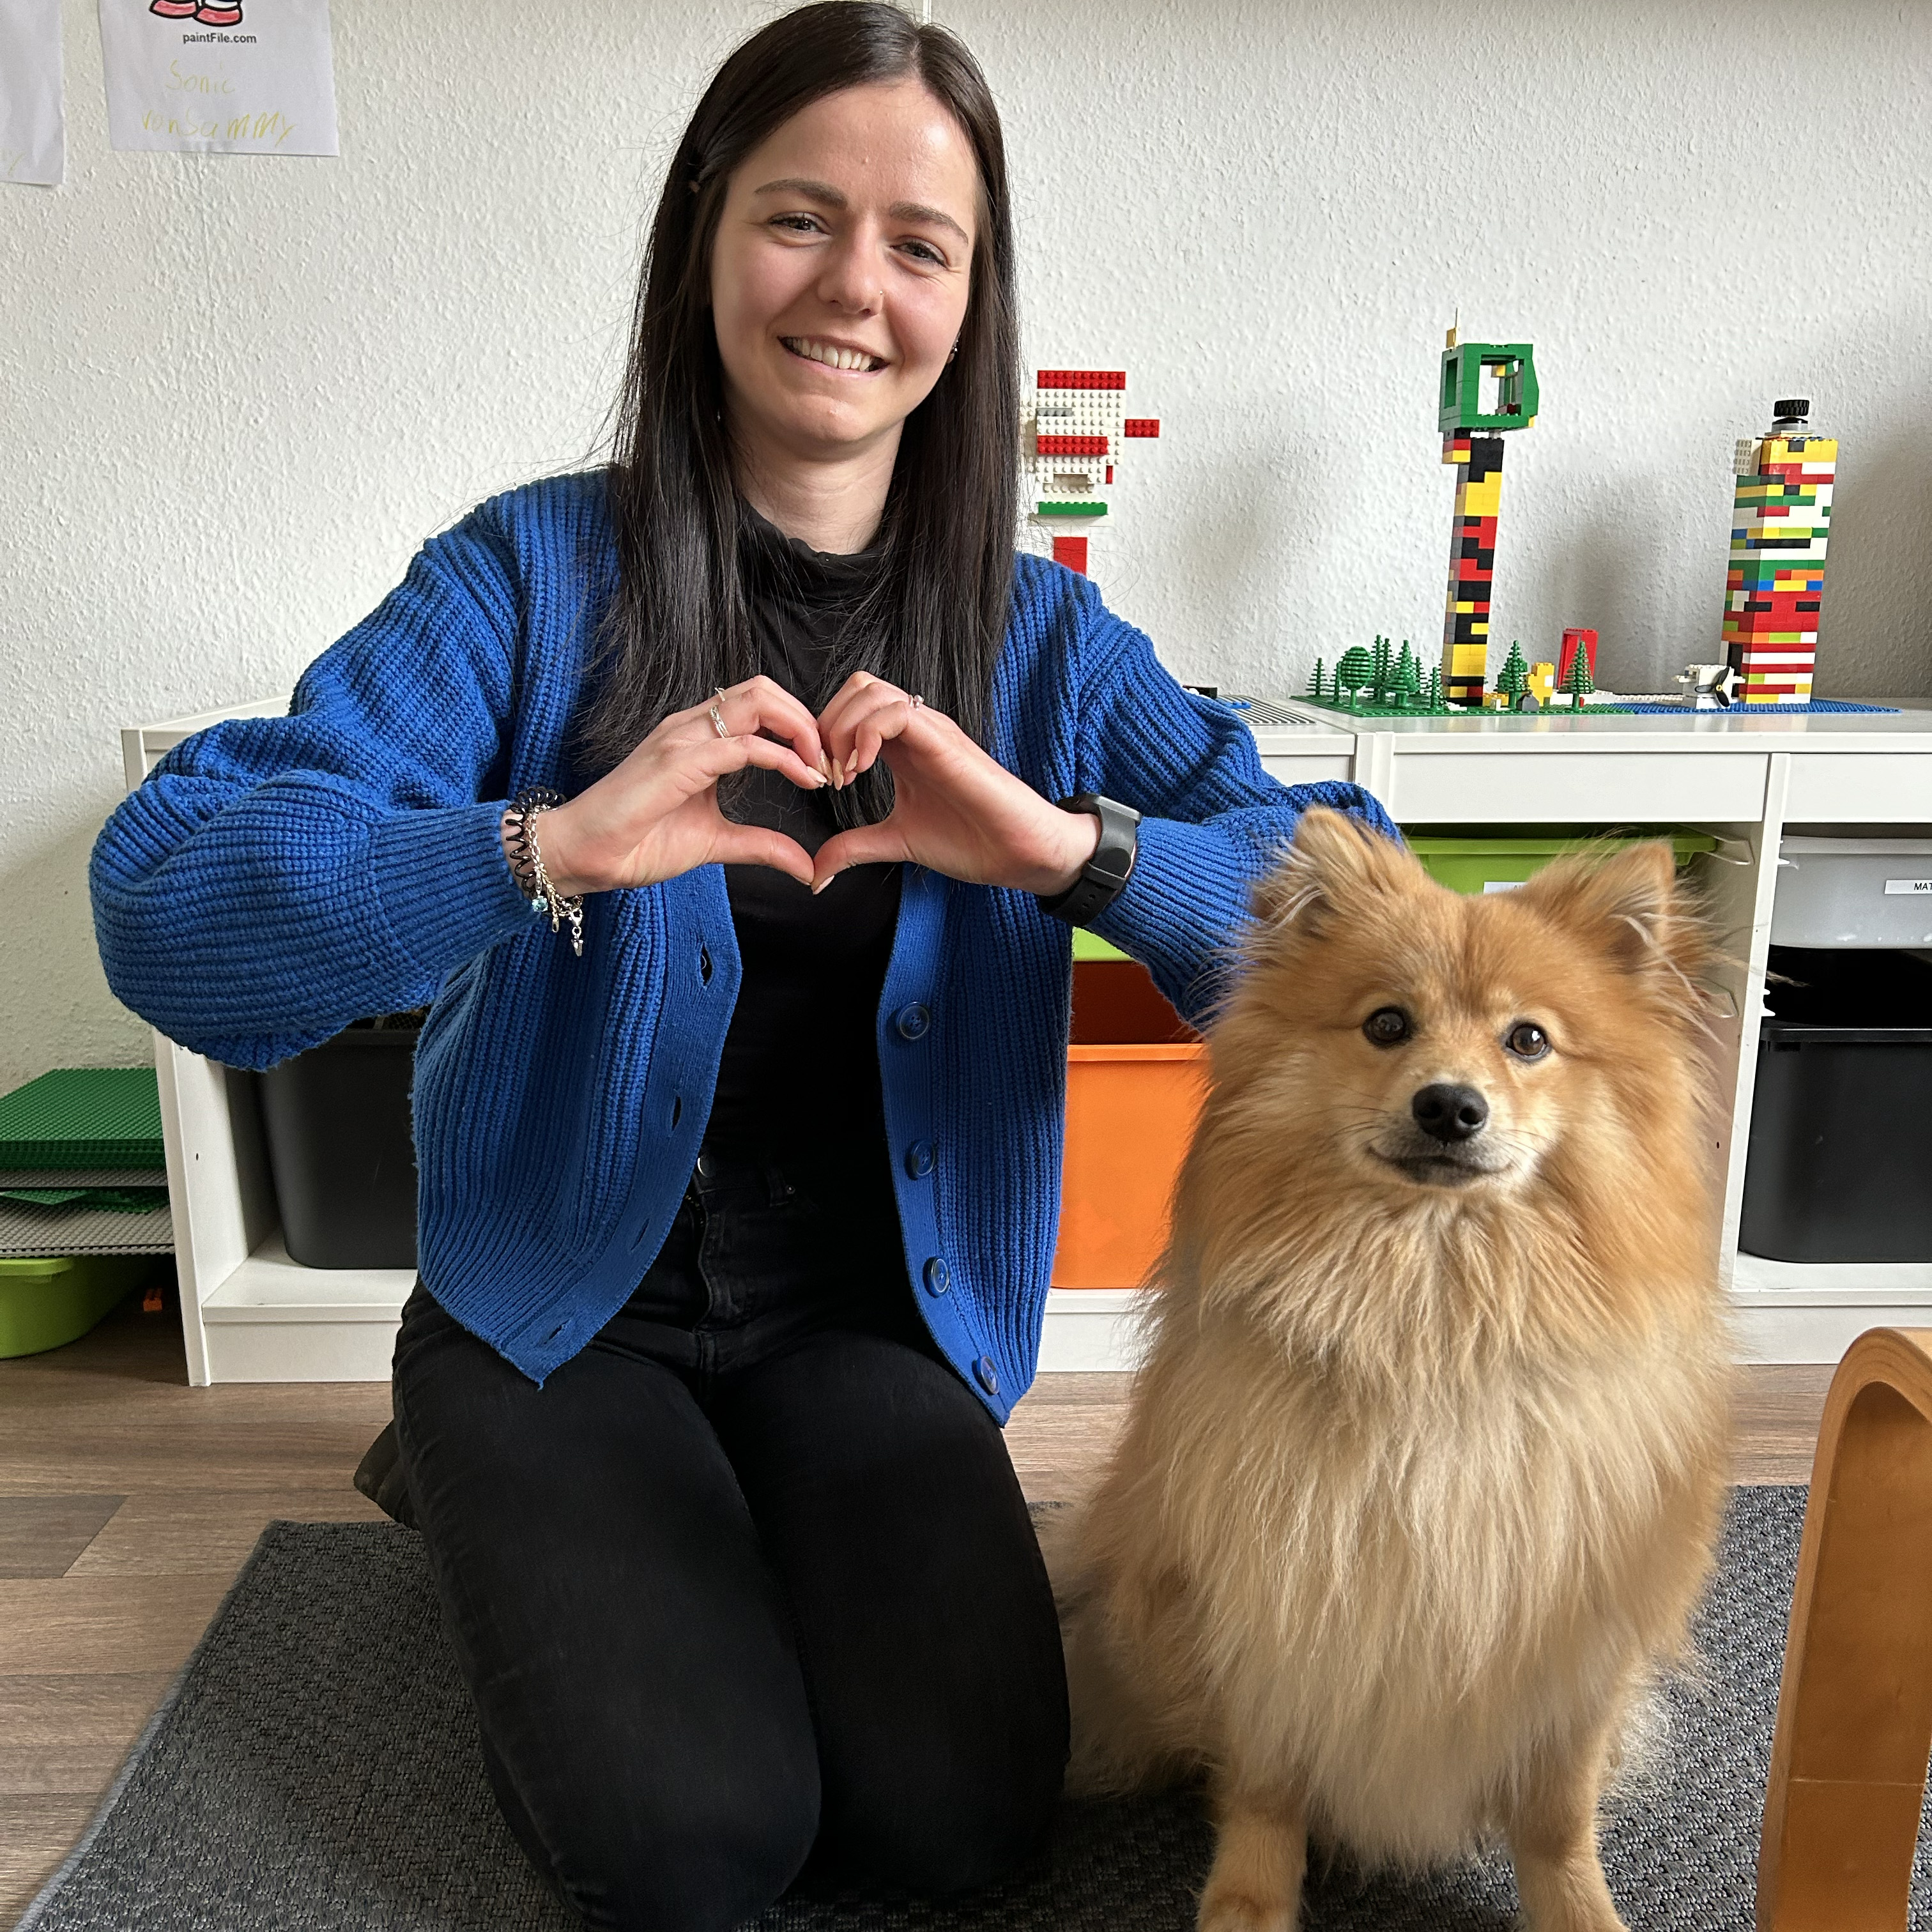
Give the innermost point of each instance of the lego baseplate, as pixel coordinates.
(1664, 709)
(1259, 710)
(30, 1233)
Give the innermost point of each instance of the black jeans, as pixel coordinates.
(749, 1578)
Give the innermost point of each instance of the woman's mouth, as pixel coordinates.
(811, 348)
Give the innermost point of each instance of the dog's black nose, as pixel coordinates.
(1449, 1113)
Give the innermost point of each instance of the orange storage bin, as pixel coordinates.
(1135, 1078)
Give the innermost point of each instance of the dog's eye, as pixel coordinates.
(1387, 1026)
(1527, 1040)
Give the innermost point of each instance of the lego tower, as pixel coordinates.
(1472, 441)
(1780, 517)
(1071, 431)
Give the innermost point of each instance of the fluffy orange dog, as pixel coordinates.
(1425, 1463)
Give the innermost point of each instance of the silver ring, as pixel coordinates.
(718, 717)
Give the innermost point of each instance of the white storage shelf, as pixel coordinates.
(250, 1313)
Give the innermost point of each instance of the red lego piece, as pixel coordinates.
(1070, 445)
(1081, 379)
(1573, 635)
(1071, 551)
(1110, 472)
(1142, 426)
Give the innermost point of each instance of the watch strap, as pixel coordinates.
(1108, 871)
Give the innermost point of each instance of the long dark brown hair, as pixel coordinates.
(677, 626)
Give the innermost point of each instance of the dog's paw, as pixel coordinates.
(1230, 1909)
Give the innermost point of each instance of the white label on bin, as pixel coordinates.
(1901, 886)
(1517, 885)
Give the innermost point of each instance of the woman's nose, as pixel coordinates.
(851, 280)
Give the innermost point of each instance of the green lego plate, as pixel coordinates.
(83, 1117)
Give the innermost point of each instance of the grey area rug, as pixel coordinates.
(316, 1769)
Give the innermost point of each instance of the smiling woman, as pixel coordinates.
(737, 1211)
(842, 186)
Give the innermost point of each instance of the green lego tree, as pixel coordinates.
(1355, 671)
(1407, 690)
(1512, 680)
(1380, 677)
(1315, 683)
(1432, 691)
(1577, 680)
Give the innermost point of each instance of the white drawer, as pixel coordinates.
(1575, 787)
(1860, 788)
(1307, 768)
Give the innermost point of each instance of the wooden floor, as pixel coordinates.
(128, 1501)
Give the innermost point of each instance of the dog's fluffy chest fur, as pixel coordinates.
(1403, 1589)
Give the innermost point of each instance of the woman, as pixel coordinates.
(735, 1228)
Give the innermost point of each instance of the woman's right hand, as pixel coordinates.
(656, 814)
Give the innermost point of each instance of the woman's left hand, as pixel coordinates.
(955, 809)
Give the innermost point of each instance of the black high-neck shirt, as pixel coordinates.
(801, 1064)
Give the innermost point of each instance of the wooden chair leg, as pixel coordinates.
(1854, 1705)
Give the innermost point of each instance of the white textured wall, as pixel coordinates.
(237, 392)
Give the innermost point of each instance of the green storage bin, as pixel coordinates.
(1090, 946)
(1482, 861)
(45, 1303)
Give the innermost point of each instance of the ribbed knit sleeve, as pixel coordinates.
(1213, 820)
(275, 878)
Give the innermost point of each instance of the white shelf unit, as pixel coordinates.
(250, 1313)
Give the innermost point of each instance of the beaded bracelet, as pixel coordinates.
(526, 865)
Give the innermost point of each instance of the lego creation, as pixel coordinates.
(1780, 519)
(1378, 683)
(1575, 638)
(1472, 441)
(1072, 429)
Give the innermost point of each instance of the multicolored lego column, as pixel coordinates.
(1780, 517)
(1072, 429)
(1472, 441)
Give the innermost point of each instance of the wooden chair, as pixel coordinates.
(1854, 1706)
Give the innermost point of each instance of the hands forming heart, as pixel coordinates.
(955, 809)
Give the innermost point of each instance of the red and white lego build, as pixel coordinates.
(1072, 429)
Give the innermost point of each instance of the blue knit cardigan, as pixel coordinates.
(274, 879)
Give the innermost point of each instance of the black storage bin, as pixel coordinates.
(1839, 1167)
(337, 1120)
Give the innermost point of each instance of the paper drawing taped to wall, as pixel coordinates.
(33, 135)
(219, 76)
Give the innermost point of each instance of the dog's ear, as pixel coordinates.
(1335, 862)
(1628, 903)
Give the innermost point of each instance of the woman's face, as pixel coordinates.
(840, 270)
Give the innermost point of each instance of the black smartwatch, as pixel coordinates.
(1099, 883)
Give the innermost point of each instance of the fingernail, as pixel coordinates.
(822, 883)
(838, 773)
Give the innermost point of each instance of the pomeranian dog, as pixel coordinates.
(1425, 1461)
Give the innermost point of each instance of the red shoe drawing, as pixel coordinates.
(217, 16)
(174, 10)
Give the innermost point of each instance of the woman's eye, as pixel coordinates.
(1387, 1026)
(1527, 1040)
(798, 224)
(924, 251)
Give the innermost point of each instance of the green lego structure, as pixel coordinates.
(1371, 681)
(1460, 405)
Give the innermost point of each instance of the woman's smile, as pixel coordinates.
(843, 357)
